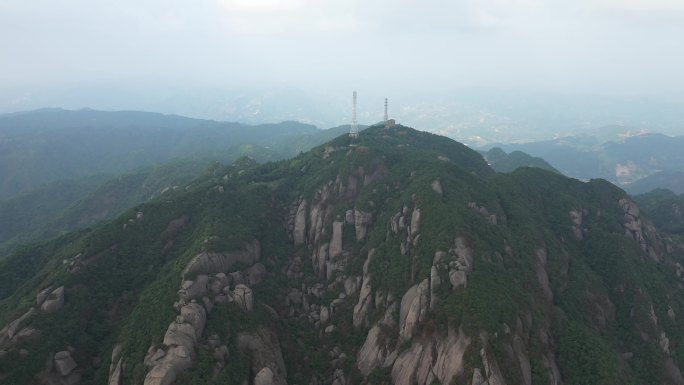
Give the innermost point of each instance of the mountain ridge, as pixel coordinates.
(400, 257)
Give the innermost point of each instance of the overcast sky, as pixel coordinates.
(616, 47)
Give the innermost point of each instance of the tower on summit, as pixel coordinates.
(354, 129)
(389, 123)
(386, 112)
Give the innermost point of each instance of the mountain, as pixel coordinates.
(624, 161)
(41, 146)
(398, 257)
(66, 205)
(673, 180)
(502, 162)
(666, 210)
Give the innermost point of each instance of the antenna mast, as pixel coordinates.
(386, 118)
(354, 130)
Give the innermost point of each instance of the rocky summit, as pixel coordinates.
(399, 257)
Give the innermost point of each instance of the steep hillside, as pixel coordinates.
(666, 210)
(400, 257)
(67, 205)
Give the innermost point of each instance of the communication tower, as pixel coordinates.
(386, 118)
(354, 130)
(389, 123)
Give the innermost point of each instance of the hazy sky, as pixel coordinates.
(144, 47)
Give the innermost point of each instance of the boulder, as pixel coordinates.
(414, 365)
(180, 334)
(25, 334)
(264, 377)
(64, 363)
(414, 305)
(450, 352)
(336, 241)
(256, 274)
(212, 263)
(361, 222)
(177, 360)
(360, 313)
(351, 285)
(194, 314)
(491, 366)
(116, 373)
(11, 329)
(376, 351)
(415, 222)
(339, 377)
(464, 253)
(263, 349)
(295, 297)
(319, 260)
(478, 379)
(244, 297)
(115, 367)
(458, 278)
(223, 279)
(237, 278)
(40, 297)
(435, 282)
(194, 289)
(349, 217)
(324, 315)
(437, 187)
(299, 232)
(542, 276)
(54, 302)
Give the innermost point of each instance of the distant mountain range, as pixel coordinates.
(636, 163)
(41, 146)
(65, 170)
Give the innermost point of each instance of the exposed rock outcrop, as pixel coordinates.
(54, 301)
(415, 222)
(116, 367)
(636, 229)
(414, 306)
(264, 351)
(491, 218)
(336, 241)
(435, 283)
(244, 297)
(361, 222)
(64, 363)
(360, 315)
(491, 368)
(377, 350)
(542, 276)
(299, 231)
(577, 219)
(178, 349)
(264, 377)
(437, 187)
(211, 263)
(10, 331)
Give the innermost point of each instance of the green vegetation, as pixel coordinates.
(589, 300)
(502, 162)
